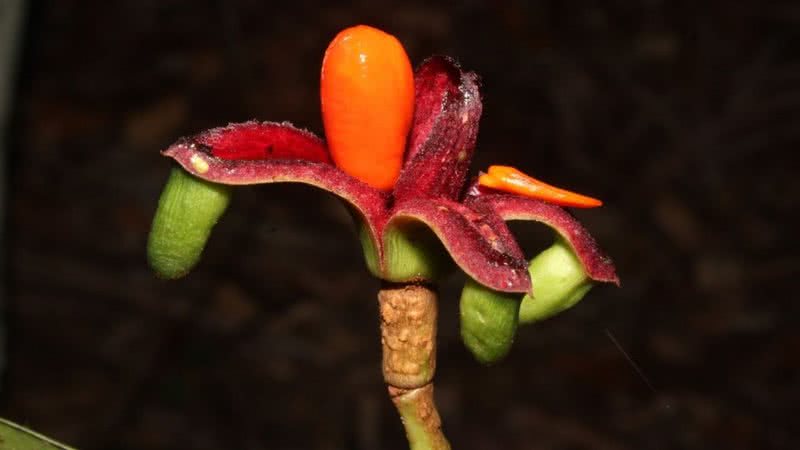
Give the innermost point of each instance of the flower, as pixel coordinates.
(427, 193)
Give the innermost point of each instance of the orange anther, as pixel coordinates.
(509, 179)
(367, 93)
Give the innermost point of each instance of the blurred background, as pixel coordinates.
(684, 117)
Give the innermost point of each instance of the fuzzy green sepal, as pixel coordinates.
(371, 255)
(411, 253)
(187, 211)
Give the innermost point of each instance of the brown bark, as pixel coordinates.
(408, 337)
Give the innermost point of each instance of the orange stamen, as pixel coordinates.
(367, 93)
(509, 179)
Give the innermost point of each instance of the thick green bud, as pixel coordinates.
(411, 252)
(489, 318)
(187, 211)
(559, 282)
(488, 321)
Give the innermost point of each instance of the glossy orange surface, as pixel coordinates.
(367, 94)
(509, 179)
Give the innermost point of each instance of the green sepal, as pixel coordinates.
(371, 256)
(17, 437)
(559, 282)
(489, 321)
(411, 252)
(188, 209)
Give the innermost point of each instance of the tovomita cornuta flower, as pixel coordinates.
(398, 148)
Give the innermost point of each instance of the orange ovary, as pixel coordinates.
(367, 93)
(509, 179)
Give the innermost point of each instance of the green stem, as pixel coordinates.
(408, 337)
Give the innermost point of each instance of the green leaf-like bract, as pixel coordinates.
(187, 211)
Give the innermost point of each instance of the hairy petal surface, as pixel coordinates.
(198, 160)
(261, 140)
(599, 267)
(447, 112)
(473, 241)
(436, 81)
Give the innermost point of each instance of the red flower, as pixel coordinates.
(429, 192)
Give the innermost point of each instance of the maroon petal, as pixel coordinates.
(599, 267)
(483, 252)
(261, 140)
(435, 81)
(442, 140)
(197, 159)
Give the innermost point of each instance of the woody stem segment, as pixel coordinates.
(408, 337)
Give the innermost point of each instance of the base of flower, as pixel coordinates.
(408, 338)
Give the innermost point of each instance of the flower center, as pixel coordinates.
(367, 95)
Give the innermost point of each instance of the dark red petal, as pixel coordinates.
(435, 81)
(483, 251)
(599, 267)
(369, 202)
(261, 140)
(442, 140)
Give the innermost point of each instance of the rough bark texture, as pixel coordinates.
(408, 335)
(408, 338)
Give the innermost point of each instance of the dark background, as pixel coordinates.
(684, 117)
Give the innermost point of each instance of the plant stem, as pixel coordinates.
(408, 337)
